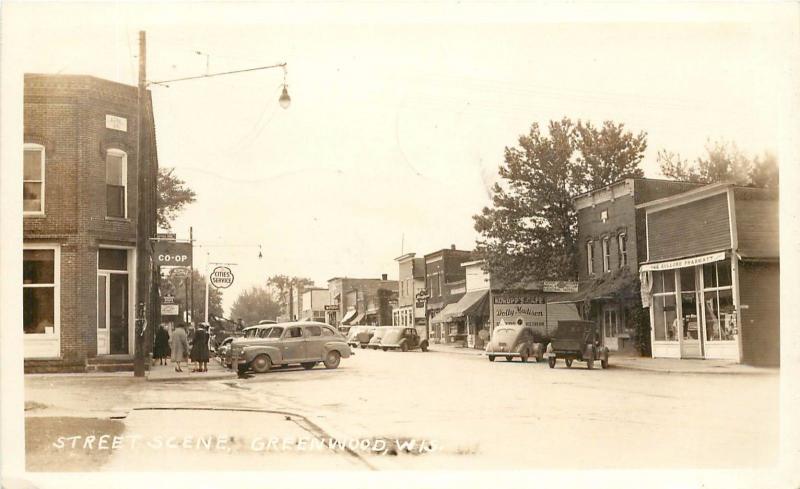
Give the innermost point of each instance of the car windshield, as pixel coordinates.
(264, 332)
(274, 332)
(250, 332)
(573, 331)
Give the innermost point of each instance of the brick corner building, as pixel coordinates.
(81, 220)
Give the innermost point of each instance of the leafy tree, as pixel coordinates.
(173, 196)
(255, 304)
(724, 162)
(286, 288)
(529, 232)
(172, 285)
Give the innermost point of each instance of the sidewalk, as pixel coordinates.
(661, 365)
(216, 371)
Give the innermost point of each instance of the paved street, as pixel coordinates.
(461, 411)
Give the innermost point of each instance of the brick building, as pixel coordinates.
(611, 243)
(445, 283)
(711, 274)
(355, 301)
(80, 219)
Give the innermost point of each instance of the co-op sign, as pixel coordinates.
(170, 253)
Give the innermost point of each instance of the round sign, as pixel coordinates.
(221, 277)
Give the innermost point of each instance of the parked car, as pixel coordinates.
(223, 351)
(577, 340)
(360, 336)
(514, 340)
(377, 334)
(305, 343)
(403, 338)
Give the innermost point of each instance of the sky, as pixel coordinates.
(400, 113)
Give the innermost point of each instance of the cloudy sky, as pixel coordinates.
(400, 114)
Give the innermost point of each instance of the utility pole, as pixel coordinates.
(143, 272)
(190, 297)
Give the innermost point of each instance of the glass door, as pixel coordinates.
(690, 319)
(118, 313)
(102, 314)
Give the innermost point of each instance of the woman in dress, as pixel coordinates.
(161, 347)
(200, 349)
(180, 346)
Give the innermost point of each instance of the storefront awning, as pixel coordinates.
(357, 319)
(615, 286)
(473, 303)
(445, 315)
(683, 262)
(350, 315)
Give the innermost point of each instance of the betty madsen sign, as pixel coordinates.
(529, 310)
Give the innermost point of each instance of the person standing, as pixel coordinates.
(200, 349)
(180, 346)
(161, 348)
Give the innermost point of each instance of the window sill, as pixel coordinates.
(117, 219)
(36, 215)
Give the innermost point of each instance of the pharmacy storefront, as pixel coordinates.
(693, 307)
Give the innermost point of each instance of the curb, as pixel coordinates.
(710, 371)
(190, 378)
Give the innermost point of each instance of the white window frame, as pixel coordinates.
(715, 290)
(590, 256)
(45, 345)
(622, 243)
(604, 248)
(675, 295)
(124, 171)
(41, 150)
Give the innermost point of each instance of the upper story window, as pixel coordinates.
(116, 183)
(622, 241)
(33, 179)
(606, 255)
(590, 257)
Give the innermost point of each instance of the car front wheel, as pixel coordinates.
(262, 364)
(552, 362)
(604, 363)
(509, 358)
(523, 356)
(332, 359)
(491, 358)
(404, 347)
(424, 346)
(568, 362)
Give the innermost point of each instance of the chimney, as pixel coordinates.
(452, 246)
(384, 276)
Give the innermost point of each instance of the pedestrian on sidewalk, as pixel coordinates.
(200, 349)
(161, 348)
(180, 346)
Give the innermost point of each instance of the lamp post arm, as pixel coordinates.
(209, 75)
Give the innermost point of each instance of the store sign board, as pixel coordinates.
(170, 309)
(117, 123)
(170, 253)
(685, 262)
(221, 277)
(332, 307)
(559, 286)
(520, 309)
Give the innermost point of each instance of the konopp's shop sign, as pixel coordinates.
(170, 253)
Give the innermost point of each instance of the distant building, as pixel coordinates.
(353, 301)
(82, 152)
(711, 274)
(445, 283)
(313, 301)
(410, 309)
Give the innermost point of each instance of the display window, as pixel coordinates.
(665, 313)
(720, 313)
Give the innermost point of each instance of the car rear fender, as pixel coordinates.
(343, 349)
(273, 353)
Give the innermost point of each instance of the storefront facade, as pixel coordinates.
(711, 278)
(80, 213)
(445, 285)
(410, 310)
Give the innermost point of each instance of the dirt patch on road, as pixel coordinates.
(42, 452)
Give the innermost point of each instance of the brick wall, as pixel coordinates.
(621, 219)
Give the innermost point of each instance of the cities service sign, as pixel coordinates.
(221, 277)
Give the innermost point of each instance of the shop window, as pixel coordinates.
(590, 257)
(611, 326)
(720, 315)
(665, 314)
(622, 244)
(606, 255)
(116, 183)
(33, 179)
(39, 291)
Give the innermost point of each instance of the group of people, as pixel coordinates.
(177, 347)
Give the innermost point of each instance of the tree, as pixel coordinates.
(173, 196)
(255, 304)
(724, 162)
(178, 287)
(529, 232)
(286, 287)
